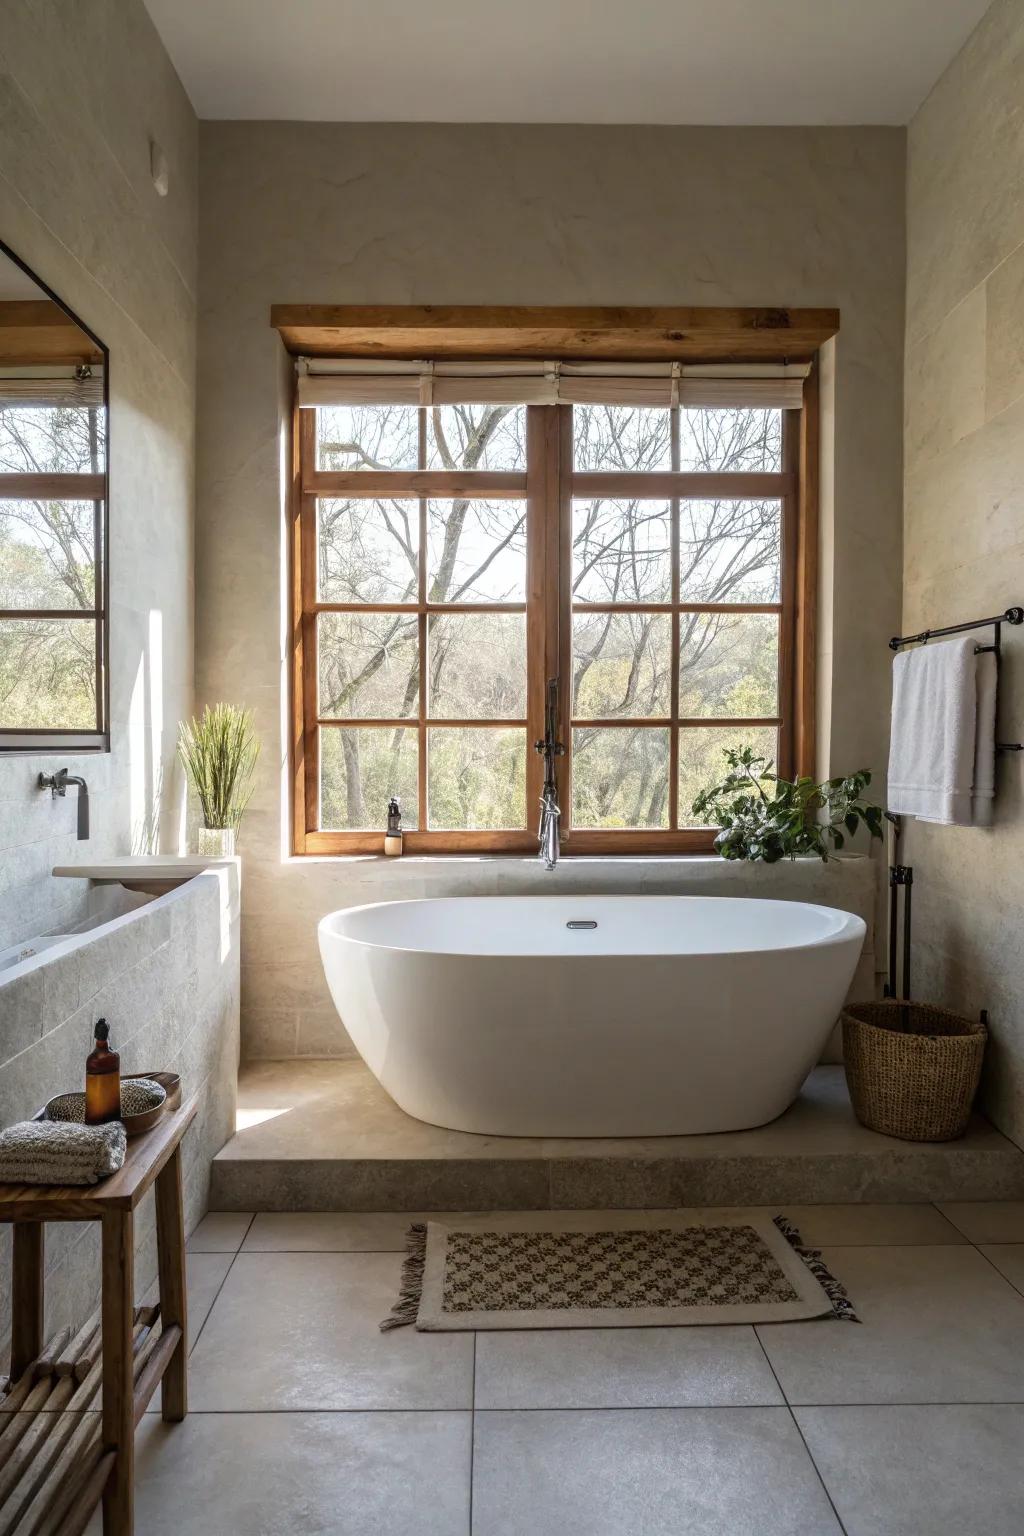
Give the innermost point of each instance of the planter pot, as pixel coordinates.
(912, 1069)
(216, 842)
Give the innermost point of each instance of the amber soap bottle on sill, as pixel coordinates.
(102, 1079)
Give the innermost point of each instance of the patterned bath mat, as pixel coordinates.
(626, 1269)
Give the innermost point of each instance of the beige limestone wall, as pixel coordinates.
(82, 89)
(964, 505)
(165, 976)
(546, 215)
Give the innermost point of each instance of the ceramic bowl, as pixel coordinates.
(142, 1103)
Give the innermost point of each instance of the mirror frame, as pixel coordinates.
(29, 741)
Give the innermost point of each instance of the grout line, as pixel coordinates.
(796, 1425)
(993, 1265)
(472, 1435)
(216, 1298)
(910, 344)
(607, 1408)
(959, 1230)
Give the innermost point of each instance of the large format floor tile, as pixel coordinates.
(921, 1471)
(220, 1232)
(301, 1330)
(623, 1368)
(872, 1225)
(329, 1232)
(666, 1472)
(939, 1325)
(988, 1221)
(321, 1474)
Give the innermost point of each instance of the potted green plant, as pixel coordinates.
(765, 818)
(218, 753)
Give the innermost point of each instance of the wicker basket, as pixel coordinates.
(912, 1069)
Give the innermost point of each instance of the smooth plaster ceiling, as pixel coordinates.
(564, 61)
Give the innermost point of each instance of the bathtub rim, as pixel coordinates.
(845, 932)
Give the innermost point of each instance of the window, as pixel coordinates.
(52, 529)
(450, 556)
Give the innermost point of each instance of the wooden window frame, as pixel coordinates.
(549, 485)
(54, 333)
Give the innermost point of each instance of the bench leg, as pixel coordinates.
(170, 1238)
(26, 1296)
(118, 1373)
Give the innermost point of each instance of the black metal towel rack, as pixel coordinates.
(902, 875)
(1011, 616)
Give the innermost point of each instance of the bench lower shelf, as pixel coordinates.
(53, 1465)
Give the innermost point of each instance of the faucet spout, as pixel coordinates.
(549, 839)
(57, 784)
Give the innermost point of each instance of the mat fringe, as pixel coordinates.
(842, 1306)
(404, 1311)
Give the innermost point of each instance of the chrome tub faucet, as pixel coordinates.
(57, 783)
(550, 748)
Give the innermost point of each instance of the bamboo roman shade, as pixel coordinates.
(366, 381)
(54, 386)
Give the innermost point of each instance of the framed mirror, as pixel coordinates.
(54, 603)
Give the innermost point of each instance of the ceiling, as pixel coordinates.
(565, 61)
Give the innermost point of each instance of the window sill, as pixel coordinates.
(520, 862)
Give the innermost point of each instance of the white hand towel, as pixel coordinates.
(934, 732)
(984, 787)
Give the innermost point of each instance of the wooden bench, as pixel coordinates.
(94, 1456)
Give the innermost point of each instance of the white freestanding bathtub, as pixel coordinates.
(590, 1016)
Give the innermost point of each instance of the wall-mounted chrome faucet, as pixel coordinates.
(551, 748)
(57, 784)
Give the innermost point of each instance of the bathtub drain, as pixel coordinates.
(581, 922)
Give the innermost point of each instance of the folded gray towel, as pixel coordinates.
(53, 1152)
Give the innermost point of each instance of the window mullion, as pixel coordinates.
(673, 731)
(423, 640)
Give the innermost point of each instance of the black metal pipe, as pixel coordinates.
(893, 888)
(1011, 616)
(908, 891)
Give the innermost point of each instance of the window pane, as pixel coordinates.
(48, 674)
(476, 437)
(622, 437)
(368, 551)
(702, 764)
(621, 551)
(369, 665)
(367, 437)
(476, 780)
(477, 665)
(728, 664)
(52, 440)
(620, 777)
(476, 551)
(740, 441)
(360, 769)
(46, 554)
(622, 664)
(730, 551)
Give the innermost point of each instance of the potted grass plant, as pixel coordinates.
(218, 753)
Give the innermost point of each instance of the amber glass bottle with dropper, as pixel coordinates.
(102, 1079)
